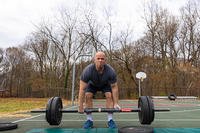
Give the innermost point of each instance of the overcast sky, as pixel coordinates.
(18, 17)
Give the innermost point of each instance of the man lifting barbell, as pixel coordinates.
(98, 77)
(95, 77)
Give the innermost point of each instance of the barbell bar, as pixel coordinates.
(146, 110)
(103, 110)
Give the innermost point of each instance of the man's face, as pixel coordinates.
(99, 60)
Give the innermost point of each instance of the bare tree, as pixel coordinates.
(172, 25)
(65, 37)
(126, 58)
(152, 19)
(17, 73)
(189, 32)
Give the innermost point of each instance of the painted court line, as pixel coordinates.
(25, 119)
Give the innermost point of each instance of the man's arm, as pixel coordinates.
(81, 95)
(115, 94)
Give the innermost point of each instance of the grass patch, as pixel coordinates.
(16, 105)
(12, 105)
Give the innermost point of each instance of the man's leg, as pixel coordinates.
(109, 104)
(109, 100)
(88, 104)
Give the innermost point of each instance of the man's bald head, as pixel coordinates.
(100, 60)
(100, 54)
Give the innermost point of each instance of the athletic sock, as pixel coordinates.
(110, 116)
(89, 116)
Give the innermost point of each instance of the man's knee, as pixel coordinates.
(108, 95)
(88, 96)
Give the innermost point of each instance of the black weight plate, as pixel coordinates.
(151, 109)
(134, 129)
(7, 126)
(145, 116)
(143, 105)
(172, 97)
(48, 110)
(56, 114)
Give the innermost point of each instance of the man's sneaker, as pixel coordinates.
(111, 124)
(88, 124)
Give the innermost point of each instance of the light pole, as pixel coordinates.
(141, 76)
(73, 75)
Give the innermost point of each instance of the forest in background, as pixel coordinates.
(169, 53)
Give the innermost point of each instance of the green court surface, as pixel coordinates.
(184, 116)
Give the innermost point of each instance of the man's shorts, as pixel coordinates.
(94, 89)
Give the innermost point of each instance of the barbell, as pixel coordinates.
(146, 110)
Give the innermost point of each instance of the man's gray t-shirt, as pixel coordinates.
(98, 80)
